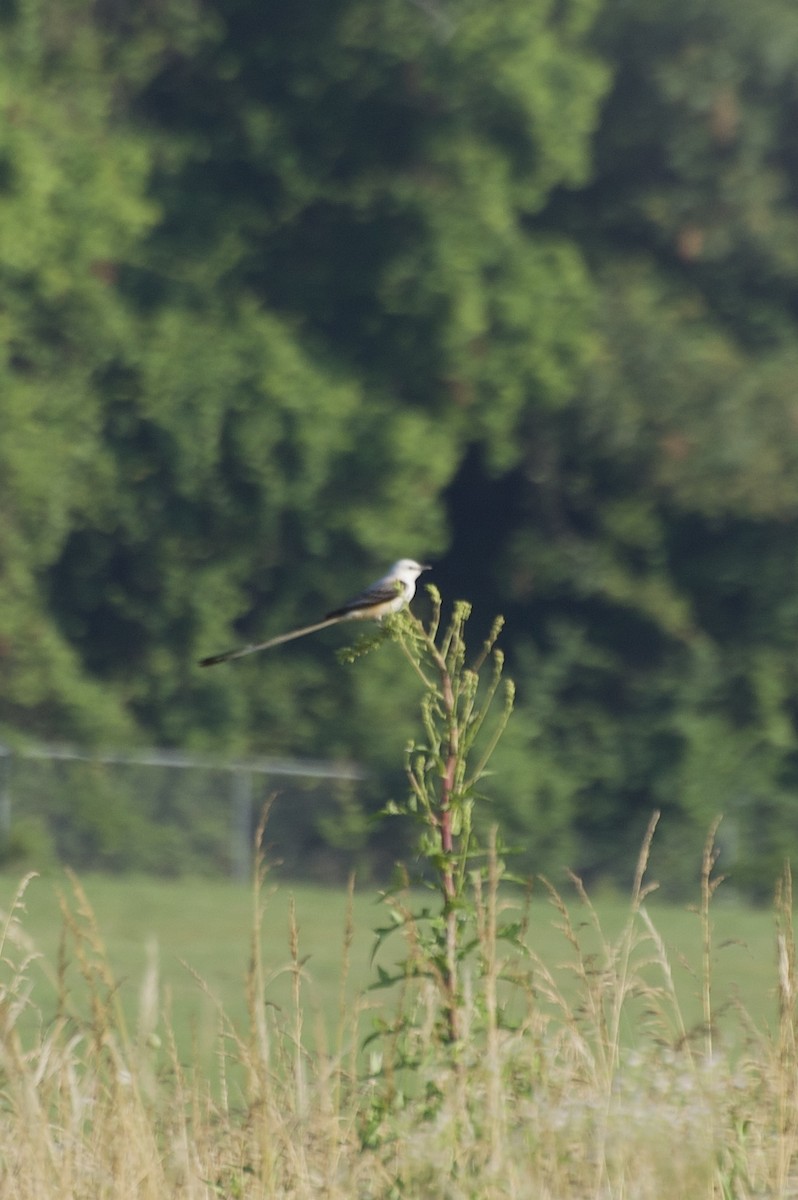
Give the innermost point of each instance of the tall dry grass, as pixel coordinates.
(598, 1089)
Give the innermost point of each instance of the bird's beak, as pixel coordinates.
(426, 566)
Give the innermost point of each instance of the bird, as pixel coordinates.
(387, 595)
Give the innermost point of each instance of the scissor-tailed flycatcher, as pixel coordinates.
(388, 595)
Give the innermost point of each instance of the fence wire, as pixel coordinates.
(168, 812)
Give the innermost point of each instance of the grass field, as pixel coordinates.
(145, 1053)
(205, 926)
(200, 928)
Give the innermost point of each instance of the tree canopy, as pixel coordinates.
(291, 293)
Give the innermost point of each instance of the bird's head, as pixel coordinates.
(408, 568)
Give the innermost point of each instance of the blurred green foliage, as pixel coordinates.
(289, 293)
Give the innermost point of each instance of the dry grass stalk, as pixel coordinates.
(592, 1086)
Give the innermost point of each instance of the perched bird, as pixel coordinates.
(388, 595)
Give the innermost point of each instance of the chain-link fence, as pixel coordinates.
(170, 813)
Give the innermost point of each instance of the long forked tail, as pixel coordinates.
(276, 641)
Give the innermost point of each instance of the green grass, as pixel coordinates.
(204, 926)
(608, 1086)
(743, 953)
(199, 928)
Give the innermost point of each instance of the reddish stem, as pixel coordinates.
(447, 846)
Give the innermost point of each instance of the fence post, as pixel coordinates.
(5, 791)
(241, 827)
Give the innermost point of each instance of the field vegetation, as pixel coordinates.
(639, 1049)
(493, 1048)
(200, 928)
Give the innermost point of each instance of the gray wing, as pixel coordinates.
(379, 593)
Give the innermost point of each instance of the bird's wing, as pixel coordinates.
(380, 592)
